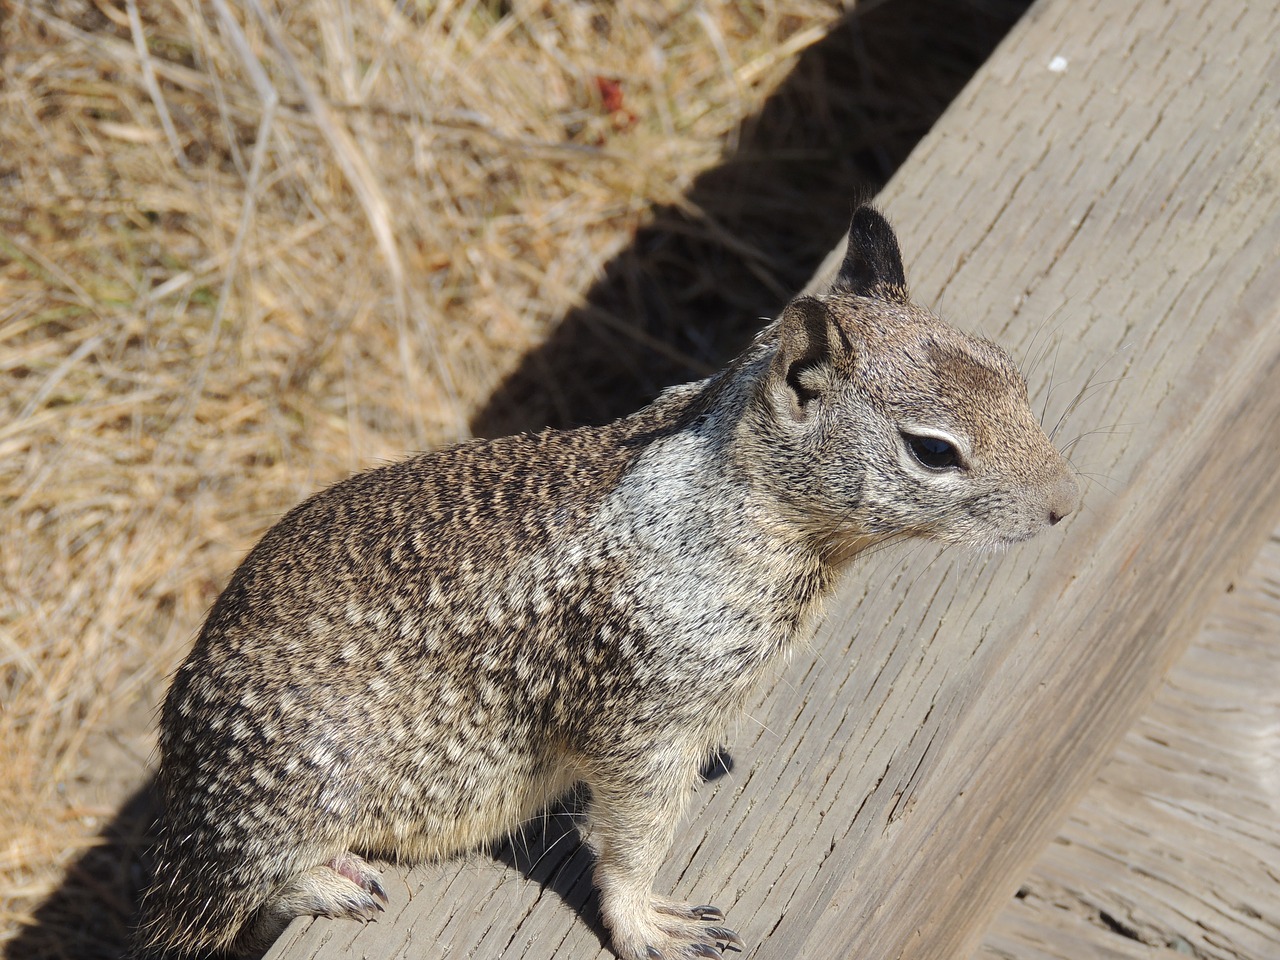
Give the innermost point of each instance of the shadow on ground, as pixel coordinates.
(686, 295)
(88, 917)
(690, 290)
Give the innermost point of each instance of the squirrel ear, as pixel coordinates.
(872, 263)
(801, 368)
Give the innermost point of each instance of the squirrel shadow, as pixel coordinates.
(689, 291)
(89, 916)
(687, 294)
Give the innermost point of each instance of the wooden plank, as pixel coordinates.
(1119, 219)
(1022, 935)
(1176, 846)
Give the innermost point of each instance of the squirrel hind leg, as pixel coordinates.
(345, 887)
(357, 870)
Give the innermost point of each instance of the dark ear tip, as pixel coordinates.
(870, 225)
(872, 264)
(865, 214)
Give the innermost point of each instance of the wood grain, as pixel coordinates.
(1115, 224)
(1175, 850)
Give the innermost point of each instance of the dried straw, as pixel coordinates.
(248, 248)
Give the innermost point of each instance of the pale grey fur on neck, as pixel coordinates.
(711, 561)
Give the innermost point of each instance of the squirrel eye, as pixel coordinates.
(933, 452)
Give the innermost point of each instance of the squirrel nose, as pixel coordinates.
(1063, 498)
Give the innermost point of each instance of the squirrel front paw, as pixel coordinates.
(671, 930)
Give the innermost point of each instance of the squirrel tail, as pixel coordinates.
(202, 903)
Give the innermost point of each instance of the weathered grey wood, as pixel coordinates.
(1175, 850)
(1117, 219)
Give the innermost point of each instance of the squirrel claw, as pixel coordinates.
(725, 934)
(684, 933)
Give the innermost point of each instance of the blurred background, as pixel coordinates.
(247, 248)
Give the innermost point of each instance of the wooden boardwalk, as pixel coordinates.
(1104, 199)
(1175, 851)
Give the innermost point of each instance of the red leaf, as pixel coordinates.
(610, 94)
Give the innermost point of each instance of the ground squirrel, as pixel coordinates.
(418, 659)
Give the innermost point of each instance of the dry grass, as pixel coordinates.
(217, 299)
(246, 251)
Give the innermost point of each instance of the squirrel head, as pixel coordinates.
(891, 422)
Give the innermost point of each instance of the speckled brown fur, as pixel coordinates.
(419, 658)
